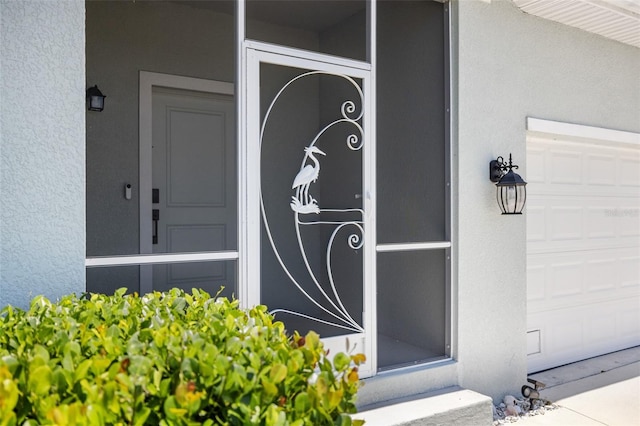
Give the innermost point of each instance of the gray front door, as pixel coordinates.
(194, 186)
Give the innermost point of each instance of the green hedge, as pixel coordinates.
(166, 359)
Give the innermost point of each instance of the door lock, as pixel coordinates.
(155, 216)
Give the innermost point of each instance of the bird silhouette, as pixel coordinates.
(302, 202)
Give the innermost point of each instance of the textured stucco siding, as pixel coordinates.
(508, 66)
(42, 149)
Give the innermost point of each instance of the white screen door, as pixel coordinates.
(311, 180)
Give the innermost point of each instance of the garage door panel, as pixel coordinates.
(553, 164)
(598, 169)
(629, 272)
(628, 174)
(536, 223)
(566, 167)
(536, 279)
(570, 191)
(601, 275)
(628, 318)
(583, 249)
(536, 161)
(566, 279)
(599, 326)
(562, 280)
(627, 220)
(566, 335)
(581, 332)
(566, 223)
(558, 223)
(598, 224)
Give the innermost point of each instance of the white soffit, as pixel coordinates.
(615, 19)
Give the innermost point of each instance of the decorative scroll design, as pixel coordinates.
(304, 205)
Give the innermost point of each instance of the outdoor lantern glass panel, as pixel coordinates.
(511, 190)
(95, 98)
(511, 193)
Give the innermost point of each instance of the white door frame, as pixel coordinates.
(256, 53)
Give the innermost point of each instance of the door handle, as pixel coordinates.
(155, 216)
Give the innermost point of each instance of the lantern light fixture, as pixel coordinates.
(511, 191)
(95, 99)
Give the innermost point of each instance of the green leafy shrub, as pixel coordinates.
(166, 359)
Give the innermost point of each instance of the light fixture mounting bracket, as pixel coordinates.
(498, 168)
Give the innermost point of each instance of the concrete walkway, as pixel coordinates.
(599, 391)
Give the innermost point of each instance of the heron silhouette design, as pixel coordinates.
(302, 202)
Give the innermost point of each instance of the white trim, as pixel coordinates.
(452, 174)
(306, 61)
(244, 267)
(384, 248)
(394, 371)
(580, 131)
(308, 55)
(251, 145)
(148, 79)
(149, 259)
(370, 275)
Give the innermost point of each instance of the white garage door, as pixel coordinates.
(583, 245)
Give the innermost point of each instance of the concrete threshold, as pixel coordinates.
(450, 406)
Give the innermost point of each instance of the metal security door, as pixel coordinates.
(310, 167)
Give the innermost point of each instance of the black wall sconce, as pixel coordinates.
(511, 190)
(95, 99)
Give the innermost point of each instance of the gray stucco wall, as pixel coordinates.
(42, 110)
(509, 66)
